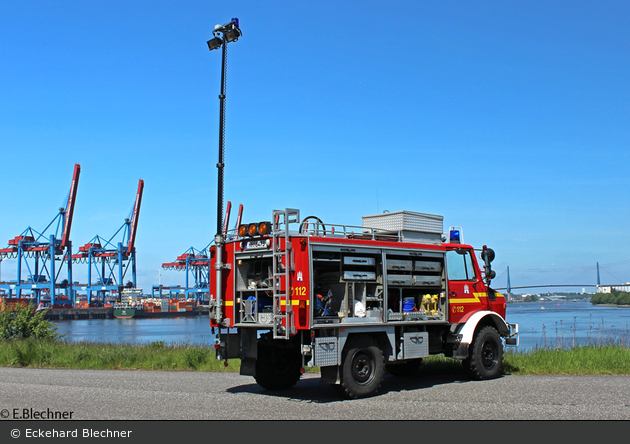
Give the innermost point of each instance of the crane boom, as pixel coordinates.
(65, 238)
(134, 220)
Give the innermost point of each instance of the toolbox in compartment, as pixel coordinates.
(399, 265)
(363, 261)
(426, 281)
(359, 275)
(407, 280)
(358, 268)
(399, 280)
(427, 266)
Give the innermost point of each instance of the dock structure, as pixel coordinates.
(72, 313)
(41, 257)
(75, 313)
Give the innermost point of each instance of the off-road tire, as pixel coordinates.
(277, 367)
(485, 356)
(362, 368)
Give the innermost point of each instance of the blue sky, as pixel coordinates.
(510, 119)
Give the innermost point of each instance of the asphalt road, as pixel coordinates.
(160, 395)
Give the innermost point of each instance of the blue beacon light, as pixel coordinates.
(455, 236)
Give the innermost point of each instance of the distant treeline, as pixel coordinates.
(613, 298)
(531, 298)
(576, 296)
(537, 297)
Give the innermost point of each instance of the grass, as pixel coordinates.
(580, 360)
(109, 356)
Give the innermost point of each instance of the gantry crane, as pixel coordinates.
(110, 260)
(196, 264)
(42, 256)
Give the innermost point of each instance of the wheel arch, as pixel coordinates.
(384, 338)
(477, 321)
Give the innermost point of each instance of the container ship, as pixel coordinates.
(155, 308)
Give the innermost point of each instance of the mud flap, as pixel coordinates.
(248, 367)
(231, 344)
(247, 351)
(330, 374)
(461, 352)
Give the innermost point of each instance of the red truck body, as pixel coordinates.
(354, 301)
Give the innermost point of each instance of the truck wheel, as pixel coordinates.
(278, 368)
(485, 357)
(362, 368)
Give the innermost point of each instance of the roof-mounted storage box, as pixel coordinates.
(411, 226)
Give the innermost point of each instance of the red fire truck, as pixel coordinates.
(355, 301)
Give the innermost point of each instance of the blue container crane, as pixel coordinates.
(196, 263)
(111, 260)
(38, 253)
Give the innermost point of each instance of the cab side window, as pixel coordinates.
(460, 266)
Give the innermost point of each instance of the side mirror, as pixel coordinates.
(487, 254)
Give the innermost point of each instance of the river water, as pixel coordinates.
(541, 324)
(568, 323)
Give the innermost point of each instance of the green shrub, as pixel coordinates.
(25, 322)
(194, 357)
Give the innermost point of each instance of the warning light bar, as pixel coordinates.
(254, 229)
